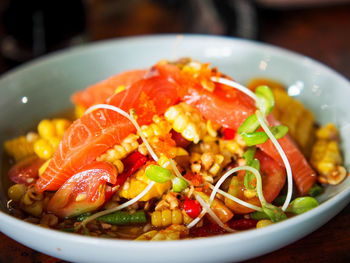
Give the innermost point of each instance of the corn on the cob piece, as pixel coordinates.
(159, 127)
(326, 157)
(22, 146)
(187, 121)
(120, 151)
(173, 232)
(138, 182)
(166, 217)
(291, 113)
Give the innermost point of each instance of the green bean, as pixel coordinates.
(119, 218)
(302, 204)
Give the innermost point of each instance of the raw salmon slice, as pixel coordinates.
(101, 91)
(94, 133)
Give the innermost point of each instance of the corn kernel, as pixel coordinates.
(214, 169)
(61, 125)
(43, 149)
(79, 111)
(156, 218)
(54, 142)
(46, 129)
(166, 217)
(176, 217)
(249, 193)
(263, 223)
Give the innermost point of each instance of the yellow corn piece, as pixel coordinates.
(263, 223)
(79, 111)
(187, 121)
(46, 129)
(159, 127)
(61, 125)
(43, 149)
(120, 151)
(138, 182)
(21, 147)
(326, 156)
(166, 217)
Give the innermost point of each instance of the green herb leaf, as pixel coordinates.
(158, 174)
(275, 213)
(265, 95)
(302, 204)
(251, 124)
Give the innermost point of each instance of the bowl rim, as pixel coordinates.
(220, 239)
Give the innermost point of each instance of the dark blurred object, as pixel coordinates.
(33, 28)
(299, 3)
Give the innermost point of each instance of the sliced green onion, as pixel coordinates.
(249, 179)
(266, 97)
(158, 174)
(179, 184)
(279, 131)
(275, 213)
(249, 155)
(255, 138)
(251, 124)
(315, 190)
(302, 204)
(259, 215)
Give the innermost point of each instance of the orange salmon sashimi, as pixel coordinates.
(304, 176)
(230, 108)
(94, 133)
(101, 91)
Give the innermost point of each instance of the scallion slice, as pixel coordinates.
(251, 124)
(158, 174)
(266, 97)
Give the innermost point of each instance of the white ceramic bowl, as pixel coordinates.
(42, 88)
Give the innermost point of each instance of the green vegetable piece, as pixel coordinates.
(158, 174)
(258, 215)
(249, 179)
(302, 204)
(119, 218)
(279, 131)
(275, 213)
(123, 218)
(265, 95)
(71, 229)
(251, 124)
(179, 184)
(255, 138)
(315, 190)
(249, 155)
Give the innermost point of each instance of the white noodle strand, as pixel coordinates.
(263, 124)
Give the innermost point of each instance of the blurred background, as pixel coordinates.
(316, 28)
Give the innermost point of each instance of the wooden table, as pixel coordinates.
(322, 34)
